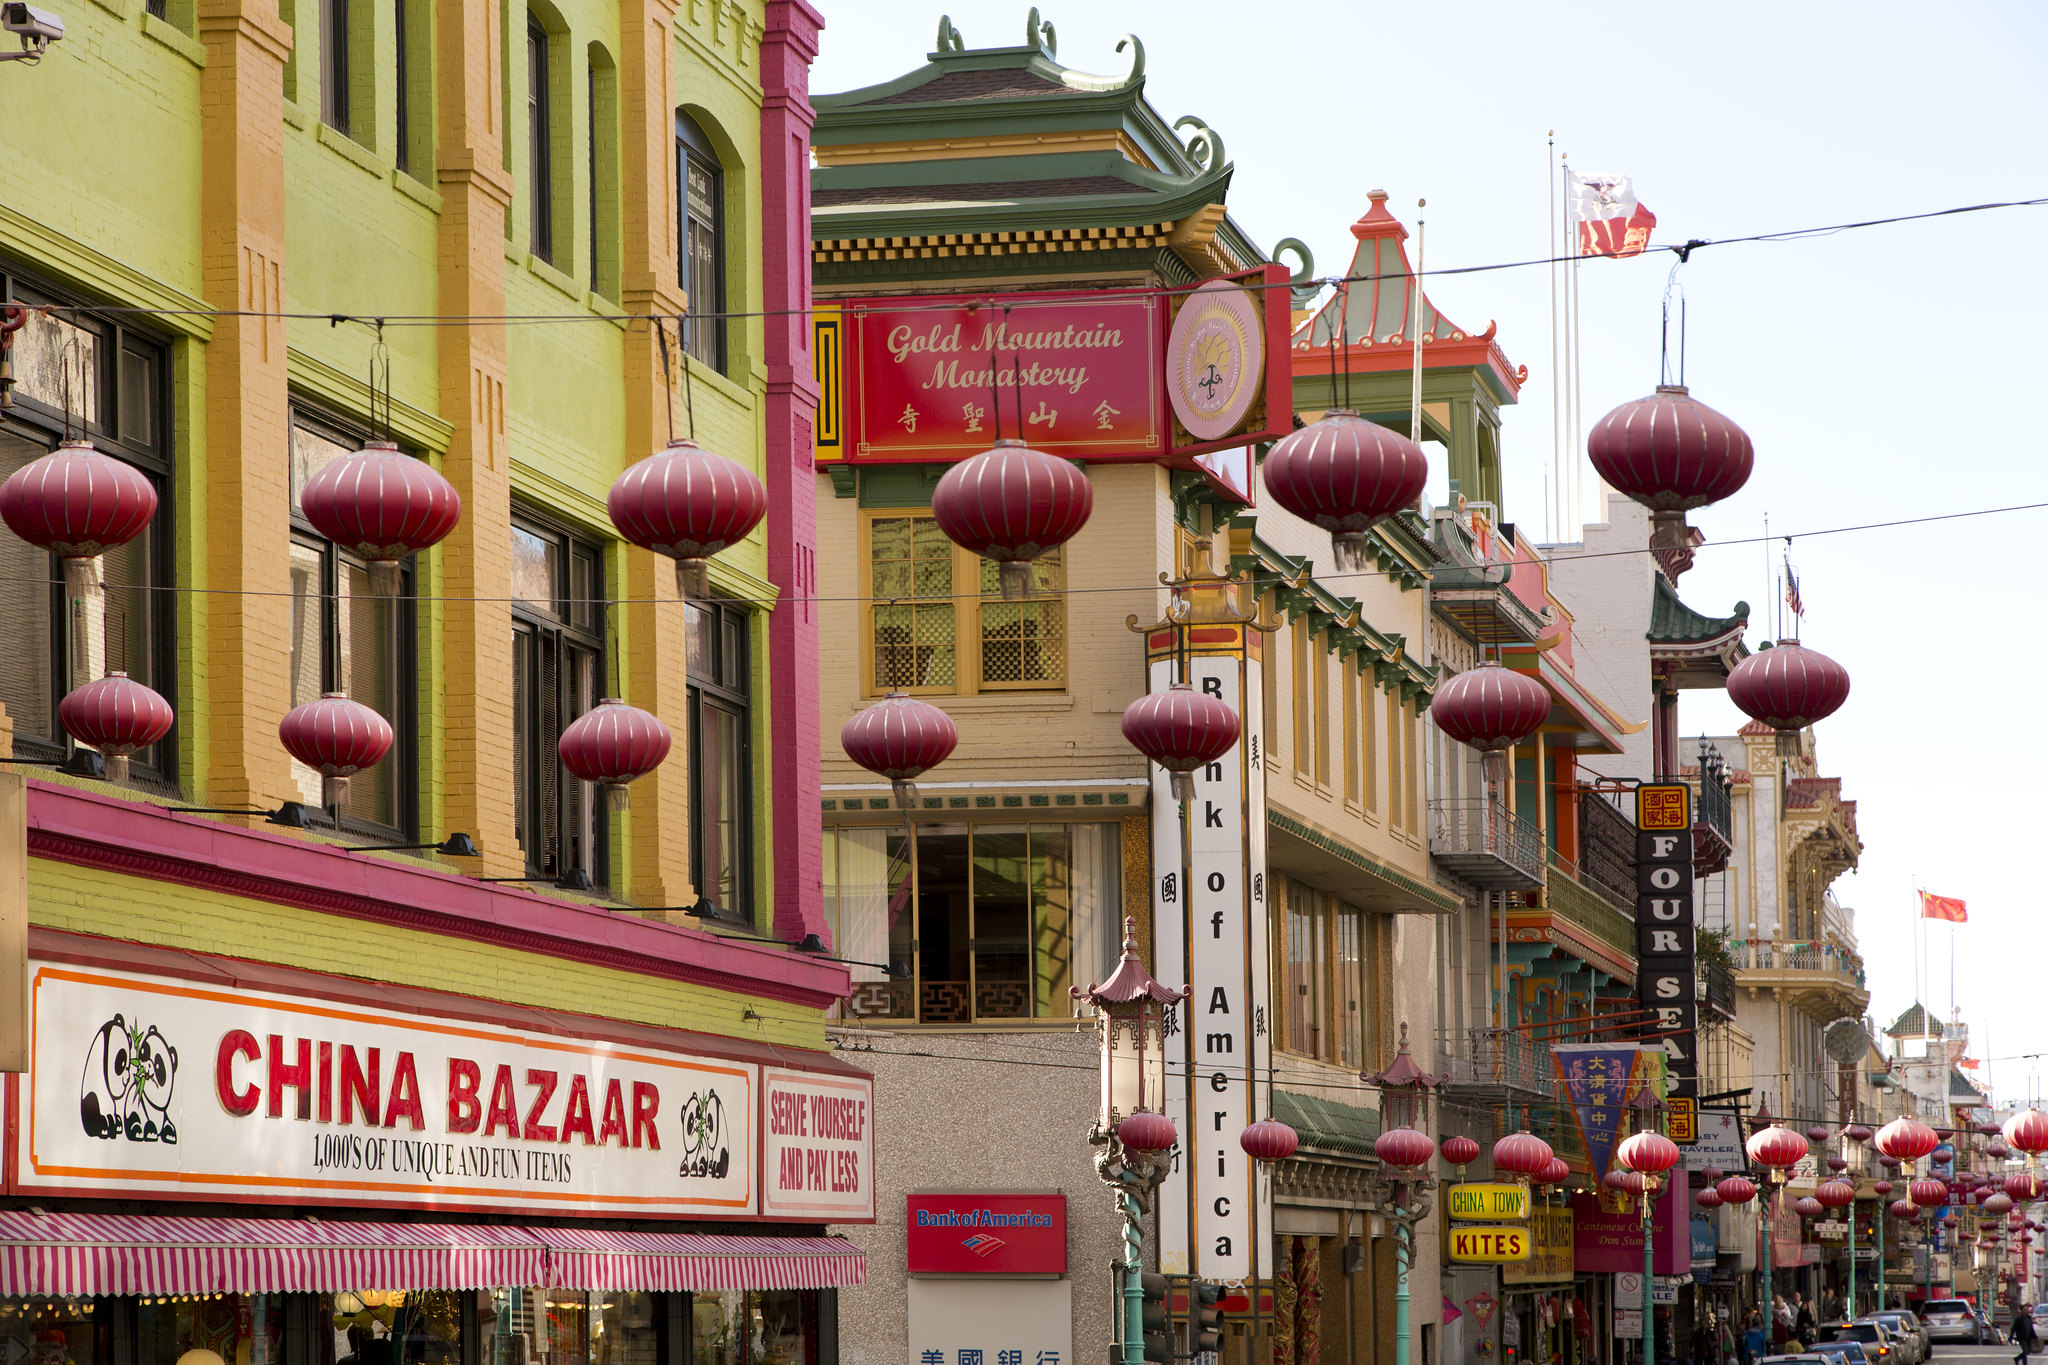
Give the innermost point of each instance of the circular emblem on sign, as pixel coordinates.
(1216, 360)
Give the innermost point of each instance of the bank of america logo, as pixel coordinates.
(982, 1243)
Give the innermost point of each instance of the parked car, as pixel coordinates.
(1903, 1322)
(1877, 1342)
(1803, 1358)
(1954, 1320)
(1843, 1352)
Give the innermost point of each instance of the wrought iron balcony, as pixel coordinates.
(1596, 910)
(1486, 844)
(1495, 1062)
(1607, 847)
(1717, 989)
(1783, 955)
(1713, 836)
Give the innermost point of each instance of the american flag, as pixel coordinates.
(1792, 598)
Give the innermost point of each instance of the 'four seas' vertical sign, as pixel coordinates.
(1666, 945)
(1209, 899)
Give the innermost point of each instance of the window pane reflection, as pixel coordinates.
(394, 1327)
(48, 1332)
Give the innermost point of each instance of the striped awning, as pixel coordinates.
(91, 1253)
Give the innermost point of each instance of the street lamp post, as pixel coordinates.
(1775, 1150)
(1404, 1148)
(1648, 1154)
(1131, 1129)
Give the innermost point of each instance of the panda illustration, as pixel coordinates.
(126, 1088)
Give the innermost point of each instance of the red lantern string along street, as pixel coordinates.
(689, 504)
(1708, 1198)
(1147, 1132)
(117, 716)
(1345, 474)
(1521, 1153)
(337, 738)
(1403, 1147)
(1671, 453)
(2027, 1132)
(1906, 1139)
(78, 504)
(613, 744)
(382, 505)
(1776, 1146)
(1836, 1194)
(1997, 1151)
(1817, 1133)
(1460, 1151)
(1789, 688)
(900, 738)
(1012, 504)
(1736, 1189)
(1928, 1193)
(1838, 1163)
(1881, 1188)
(2023, 1185)
(1625, 1182)
(1491, 709)
(1648, 1153)
(1270, 1140)
(1905, 1210)
(1856, 1132)
(1808, 1207)
(1555, 1171)
(1181, 730)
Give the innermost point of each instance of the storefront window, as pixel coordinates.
(753, 1327)
(985, 921)
(392, 1327)
(50, 1332)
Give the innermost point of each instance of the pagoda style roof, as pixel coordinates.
(1371, 316)
(1914, 1023)
(948, 163)
(1960, 1088)
(1694, 649)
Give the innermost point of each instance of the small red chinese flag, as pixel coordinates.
(1942, 907)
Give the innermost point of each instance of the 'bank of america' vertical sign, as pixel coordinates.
(1209, 930)
(1666, 946)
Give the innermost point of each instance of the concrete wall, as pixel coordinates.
(1609, 595)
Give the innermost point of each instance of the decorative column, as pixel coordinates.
(787, 49)
(247, 427)
(476, 558)
(658, 859)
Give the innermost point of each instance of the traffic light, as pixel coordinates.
(1208, 1317)
(1158, 1342)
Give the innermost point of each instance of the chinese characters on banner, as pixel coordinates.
(1601, 1079)
(1209, 916)
(1665, 941)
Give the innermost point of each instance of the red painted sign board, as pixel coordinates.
(1609, 1239)
(976, 1232)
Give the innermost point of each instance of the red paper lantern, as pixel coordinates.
(1817, 1133)
(2023, 1185)
(1881, 1188)
(1460, 1150)
(337, 738)
(688, 504)
(1521, 1153)
(1905, 1210)
(1147, 1132)
(1928, 1193)
(1997, 1151)
(76, 502)
(900, 738)
(1181, 730)
(1838, 1163)
(116, 715)
(1736, 1189)
(1708, 1198)
(1012, 504)
(613, 744)
(1808, 1207)
(1836, 1194)
(1776, 1146)
(1555, 1172)
(1403, 1147)
(1269, 1140)
(1856, 1132)
(2027, 1132)
(1490, 707)
(1671, 453)
(1625, 1182)
(1906, 1139)
(1998, 1203)
(1788, 689)
(1344, 475)
(1648, 1153)
(382, 505)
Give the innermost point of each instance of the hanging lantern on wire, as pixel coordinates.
(77, 503)
(1906, 1139)
(1181, 730)
(1491, 709)
(1460, 1151)
(1269, 1140)
(689, 504)
(383, 505)
(2027, 1132)
(1671, 453)
(1648, 1152)
(1345, 475)
(1835, 1194)
(1708, 1198)
(900, 738)
(613, 744)
(1522, 1153)
(1012, 504)
(1556, 1171)
(1736, 1189)
(117, 716)
(1789, 688)
(336, 737)
(1777, 1148)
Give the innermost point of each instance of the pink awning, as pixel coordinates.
(95, 1253)
(98, 1253)
(589, 1258)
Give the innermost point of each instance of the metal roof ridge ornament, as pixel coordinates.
(1204, 145)
(1402, 1071)
(1130, 980)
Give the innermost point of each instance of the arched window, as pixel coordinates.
(700, 181)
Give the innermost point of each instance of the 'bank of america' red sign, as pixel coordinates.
(981, 1233)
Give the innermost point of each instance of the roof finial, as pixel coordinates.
(949, 37)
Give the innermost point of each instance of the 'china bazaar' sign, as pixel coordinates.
(147, 1086)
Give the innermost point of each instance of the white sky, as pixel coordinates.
(1884, 373)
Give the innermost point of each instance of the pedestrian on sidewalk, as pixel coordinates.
(2023, 1336)
(1753, 1338)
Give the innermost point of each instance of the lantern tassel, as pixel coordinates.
(617, 797)
(117, 766)
(1015, 576)
(333, 790)
(385, 577)
(906, 793)
(693, 578)
(1182, 786)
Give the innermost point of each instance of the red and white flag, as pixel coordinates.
(1943, 907)
(1611, 221)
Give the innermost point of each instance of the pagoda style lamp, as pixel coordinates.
(1402, 1188)
(1135, 1137)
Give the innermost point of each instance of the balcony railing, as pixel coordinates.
(1496, 1059)
(1786, 955)
(1607, 847)
(1486, 844)
(1719, 989)
(1591, 906)
(1717, 789)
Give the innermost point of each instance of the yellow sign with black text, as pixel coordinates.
(1488, 1201)
(1550, 1258)
(1476, 1245)
(1682, 1121)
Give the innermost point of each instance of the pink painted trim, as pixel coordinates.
(91, 830)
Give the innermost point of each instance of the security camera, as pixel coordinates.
(38, 29)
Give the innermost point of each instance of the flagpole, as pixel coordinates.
(1550, 480)
(1566, 459)
(1578, 401)
(1415, 392)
